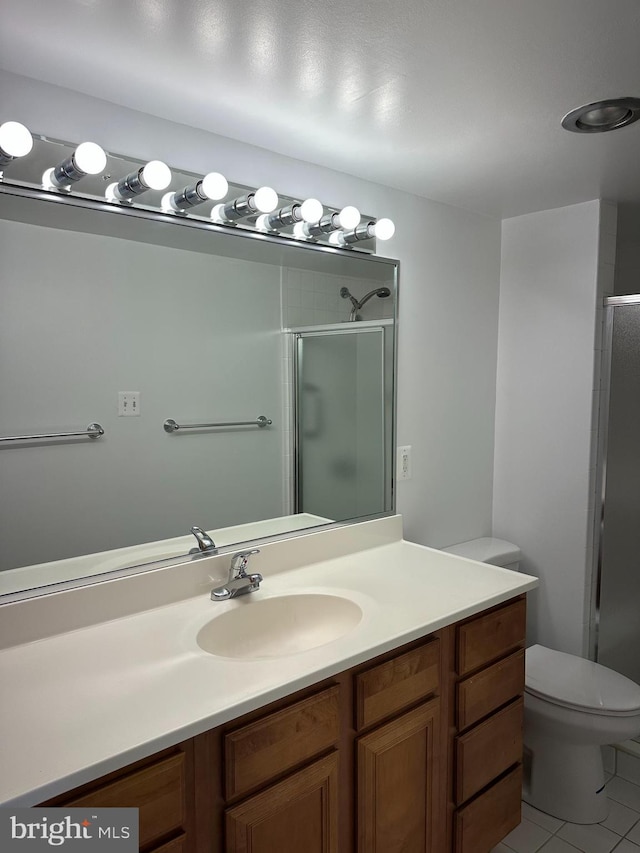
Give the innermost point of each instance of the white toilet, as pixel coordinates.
(573, 707)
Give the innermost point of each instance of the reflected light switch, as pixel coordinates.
(128, 404)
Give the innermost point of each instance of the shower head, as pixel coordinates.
(380, 292)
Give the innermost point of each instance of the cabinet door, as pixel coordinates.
(297, 815)
(397, 774)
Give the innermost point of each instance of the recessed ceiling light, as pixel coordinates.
(603, 115)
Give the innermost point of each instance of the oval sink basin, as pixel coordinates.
(283, 625)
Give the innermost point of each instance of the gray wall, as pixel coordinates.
(449, 284)
(197, 335)
(554, 268)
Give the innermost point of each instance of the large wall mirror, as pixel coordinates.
(281, 386)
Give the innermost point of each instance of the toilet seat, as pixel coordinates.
(573, 682)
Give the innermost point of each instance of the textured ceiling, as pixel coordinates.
(456, 100)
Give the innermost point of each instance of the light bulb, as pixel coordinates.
(215, 186)
(349, 217)
(156, 175)
(89, 158)
(262, 222)
(336, 238)
(383, 229)
(217, 214)
(299, 231)
(311, 210)
(15, 141)
(265, 199)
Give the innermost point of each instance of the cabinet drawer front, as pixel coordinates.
(487, 750)
(490, 636)
(480, 694)
(158, 791)
(485, 822)
(297, 815)
(263, 750)
(397, 684)
(178, 845)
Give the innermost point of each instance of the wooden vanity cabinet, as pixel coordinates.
(489, 705)
(416, 751)
(162, 787)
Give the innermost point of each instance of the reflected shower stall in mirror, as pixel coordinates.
(128, 319)
(617, 635)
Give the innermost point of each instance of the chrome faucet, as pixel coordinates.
(239, 582)
(206, 545)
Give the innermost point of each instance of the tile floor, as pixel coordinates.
(620, 832)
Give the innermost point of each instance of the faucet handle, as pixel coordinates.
(240, 561)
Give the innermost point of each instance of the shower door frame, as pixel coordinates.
(389, 397)
(610, 303)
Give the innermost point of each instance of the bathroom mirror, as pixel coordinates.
(275, 360)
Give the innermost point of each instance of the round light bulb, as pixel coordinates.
(299, 232)
(336, 238)
(215, 186)
(217, 214)
(265, 199)
(262, 222)
(166, 203)
(15, 139)
(383, 229)
(311, 210)
(349, 217)
(90, 158)
(156, 175)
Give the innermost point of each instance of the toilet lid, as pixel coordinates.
(577, 683)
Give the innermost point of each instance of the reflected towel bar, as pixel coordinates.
(171, 426)
(93, 431)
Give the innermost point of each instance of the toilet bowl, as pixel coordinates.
(572, 707)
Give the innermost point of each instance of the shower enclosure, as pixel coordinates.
(618, 598)
(344, 418)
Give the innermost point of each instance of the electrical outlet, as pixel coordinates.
(128, 404)
(403, 463)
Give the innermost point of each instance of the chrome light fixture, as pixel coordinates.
(309, 210)
(381, 229)
(263, 200)
(348, 217)
(87, 159)
(155, 175)
(602, 116)
(212, 187)
(15, 141)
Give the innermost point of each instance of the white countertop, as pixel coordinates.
(80, 704)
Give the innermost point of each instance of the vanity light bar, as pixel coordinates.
(15, 141)
(155, 175)
(87, 159)
(306, 219)
(212, 187)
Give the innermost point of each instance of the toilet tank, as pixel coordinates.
(497, 552)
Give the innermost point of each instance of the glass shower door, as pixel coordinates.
(619, 599)
(341, 422)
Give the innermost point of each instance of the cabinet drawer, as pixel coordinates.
(178, 845)
(490, 636)
(397, 684)
(263, 750)
(480, 694)
(487, 750)
(482, 824)
(158, 791)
